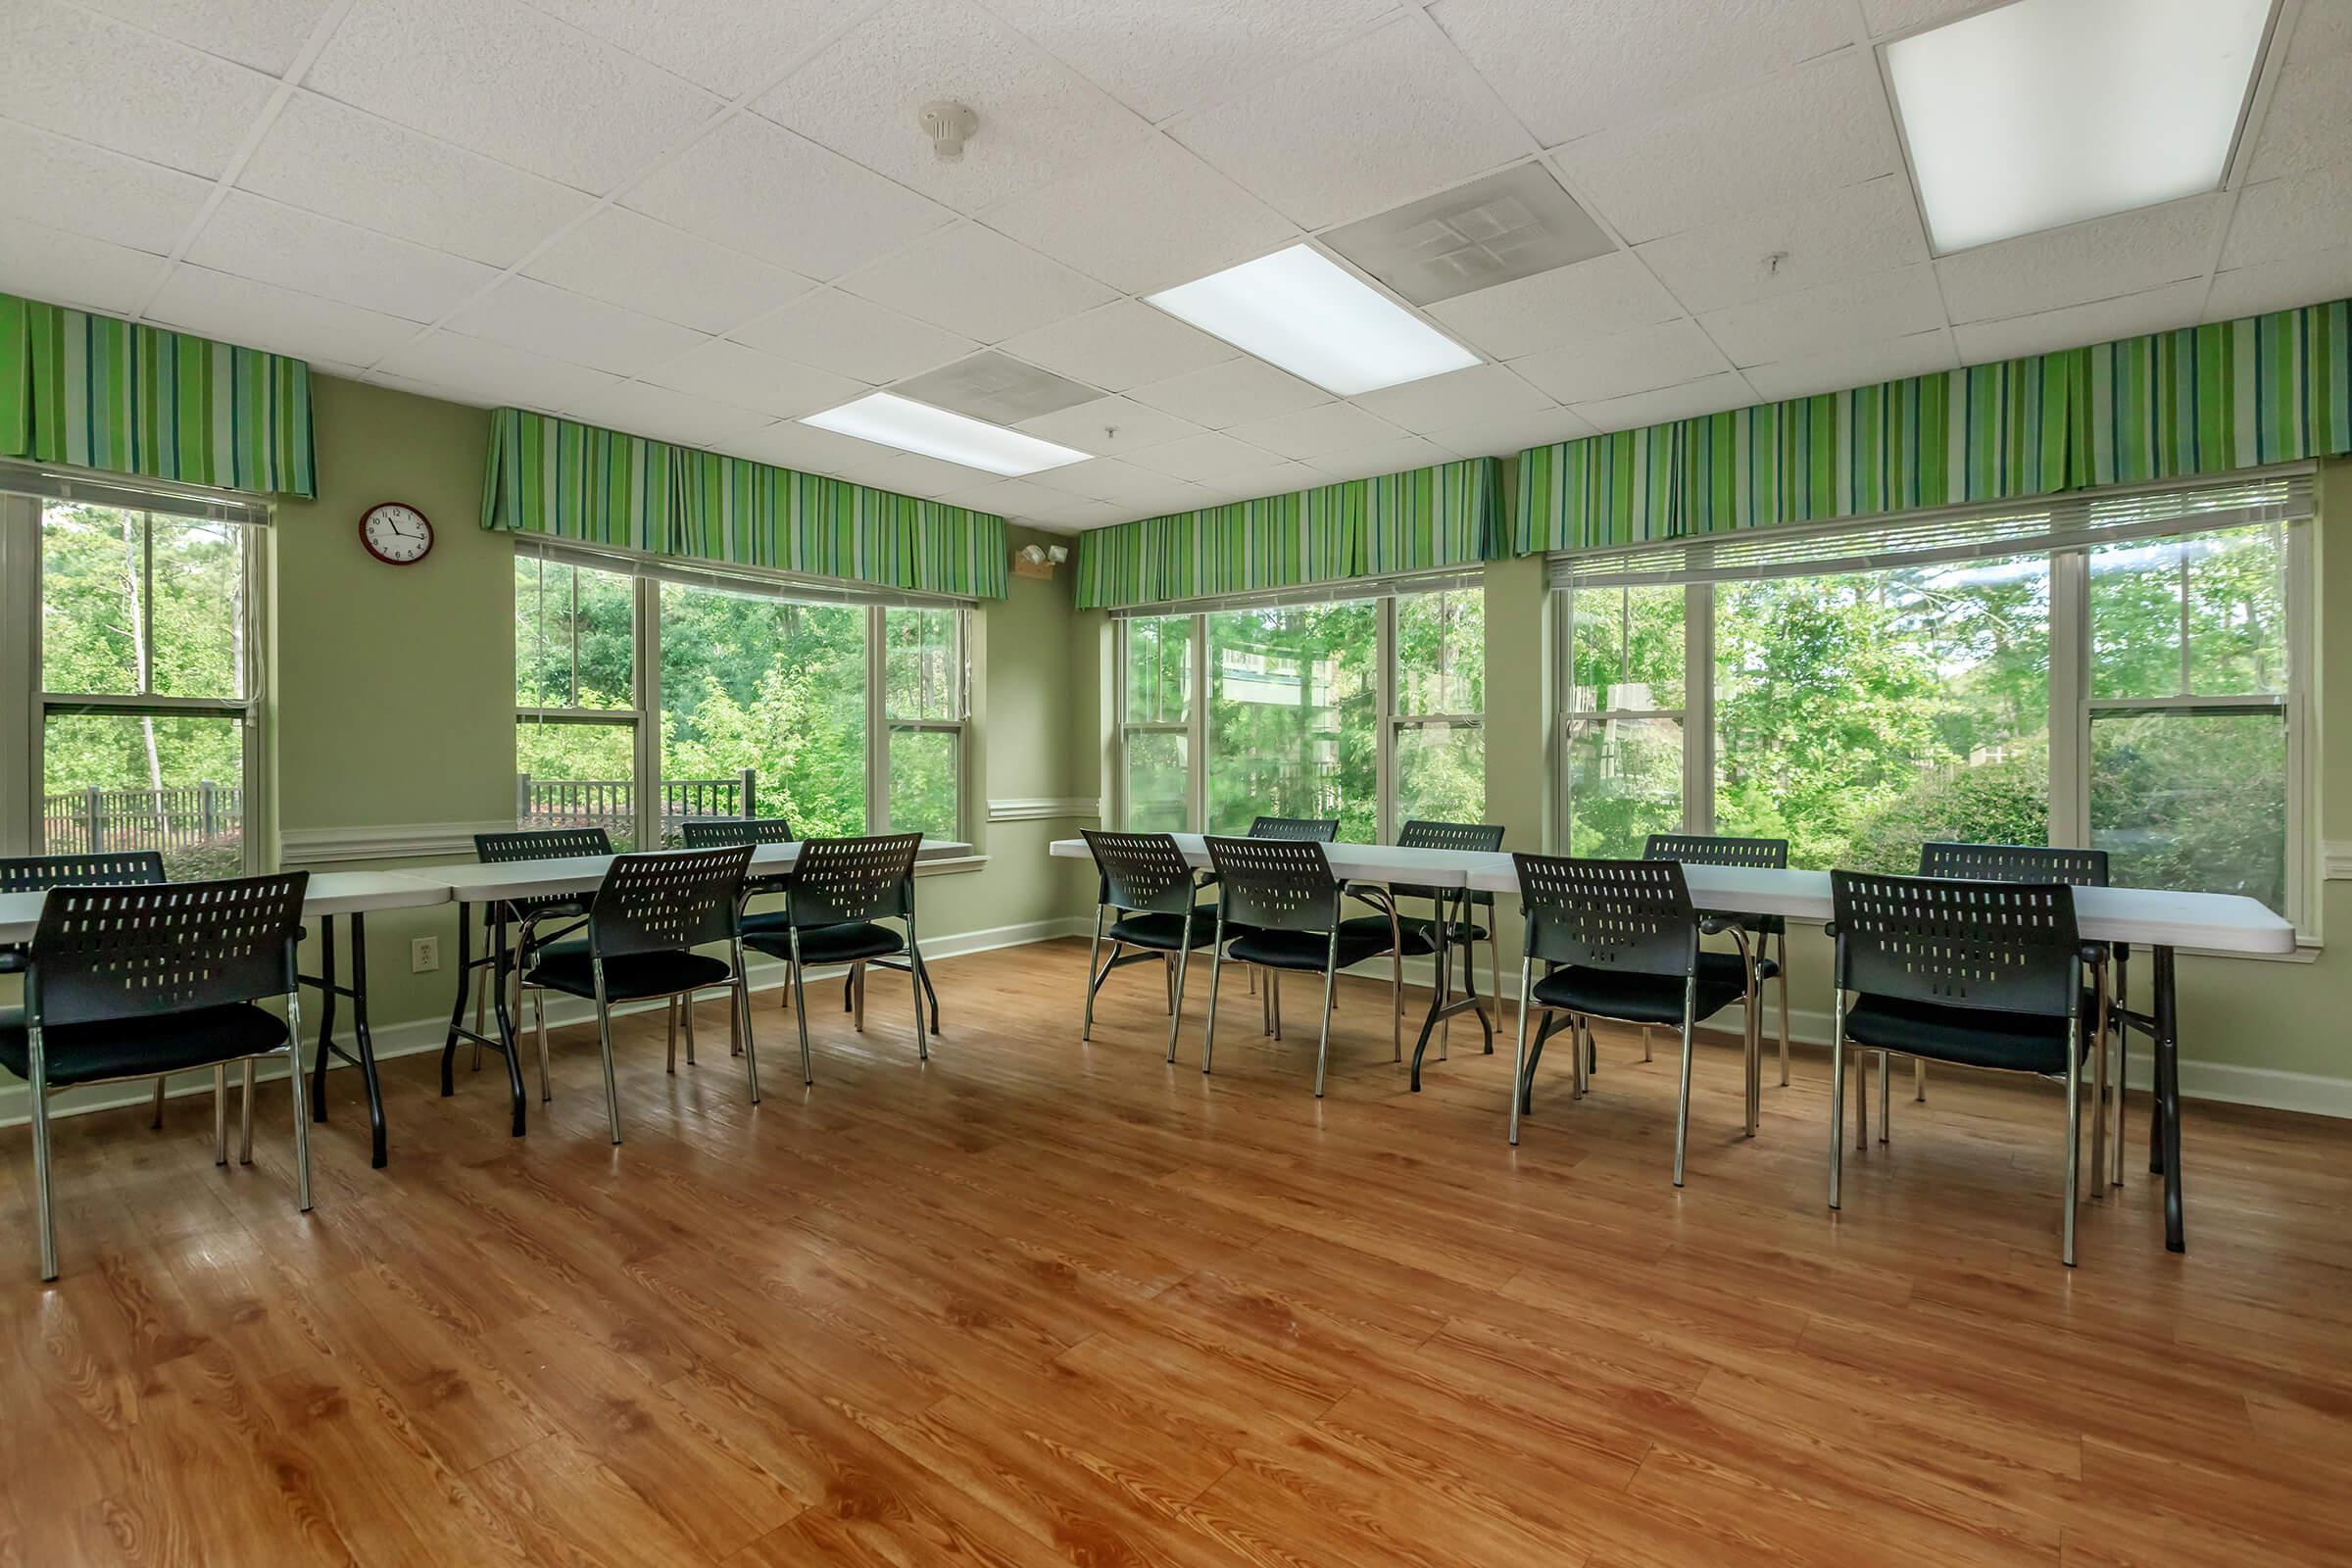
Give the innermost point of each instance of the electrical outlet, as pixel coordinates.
(425, 954)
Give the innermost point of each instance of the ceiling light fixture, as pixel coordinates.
(910, 426)
(2044, 113)
(1302, 311)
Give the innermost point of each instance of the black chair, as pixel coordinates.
(1146, 879)
(650, 914)
(1618, 940)
(711, 833)
(840, 890)
(136, 981)
(529, 844)
(1284, 892)
(104, 869)
(1771, 931)
(1458, 907)
(1312, 829)
(1982, 974)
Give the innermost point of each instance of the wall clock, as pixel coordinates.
(396, 533)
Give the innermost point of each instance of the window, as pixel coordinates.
(137, 625)
(769, 699)
(1369, 709)
(1860, 690)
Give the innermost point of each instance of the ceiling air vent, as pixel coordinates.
(1508, 225)
(996, 387)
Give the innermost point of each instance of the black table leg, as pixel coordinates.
(378, 1154)
(364, 1041)
(506, 1024)
(457, 1008)
(326, 1014)
(2167, 1124)
(1440, 982)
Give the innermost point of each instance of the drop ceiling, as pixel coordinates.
(701, 220)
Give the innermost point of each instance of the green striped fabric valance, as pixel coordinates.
(1428, 518)
(98, 392)
(574, 481)
(2198, 400)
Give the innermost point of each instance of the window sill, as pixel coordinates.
(951, 865)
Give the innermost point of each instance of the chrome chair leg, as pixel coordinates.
(671, 1007)
(1519, 1060)
(1783, 978)
(1861, 1100)
(743, 1014)
(1836, 1096)
(157, 1120)
(1886, 1100)
(220, 1112)
(2074, 1137)
(1331, 977)
(1274, 999)
(1395, 998)
(604, 1041)
(858, 996)
(1681, 1109)
(2098, 1074)
(1176, 1008)
(245, 1114)
(36, 1085)
(1093, 977)
(799, 1009)
(914, 976)
(1216, 970)
(1919, 1079)
(539, 1017)
(302, 1109)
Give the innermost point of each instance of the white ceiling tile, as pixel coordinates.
(1456, 398)
(330, 158)
(1888, 305)
(48, 264)
(1273, 479)
(1379, 457)
(1639, 361)
(1230, 393)
(1571, 69)
(1121, 345)
(2072, 326)
(2309, 123)
(1109, 425)
(1307, 433)
(1075, 512)
(1861, 229)
(1884, 16)
(862, 98)
(527, 314)
(725, 45)
(1378, 120)
(1191, 51)
(266, 35)
(2281, 285)
(806, 449)
(263, 316)
(911, 473)
(1009, 499)
(665, 415)
(854, 337)
(1708, 394)
(625, 258)
(1566, 304)
(975, 281)
(1796, 136)
(2125, 253)
(1208, 458)
(92, 78)
(1147, 218)
(255, 237)
(780, 197)
(1516, 432)
(1852, 365)
(510, 82)
(70, 186)
(750, 379)
(2283, 218)
(492, 373)
(1141, 490)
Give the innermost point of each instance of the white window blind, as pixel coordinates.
(1322, 593)
(725, 578)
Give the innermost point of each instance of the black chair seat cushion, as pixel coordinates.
(1164, 932)
(136, 1047)
(1308, 950)
(631, 975)
(847, 943)
(1642, 997)
(1971, 1037)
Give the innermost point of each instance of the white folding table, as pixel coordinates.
(355, 894)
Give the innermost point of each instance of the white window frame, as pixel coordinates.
(649, 574)
(1381, 592)
(25, 702)
(2071, 705)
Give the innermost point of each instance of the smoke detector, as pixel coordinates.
(949, 124)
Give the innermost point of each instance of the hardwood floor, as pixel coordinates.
(1045, 1303)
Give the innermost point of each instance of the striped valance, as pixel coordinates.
(98, 392)
(2198, 400)
(1440, 517)
(574, 481)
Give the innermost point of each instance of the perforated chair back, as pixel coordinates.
(708, 833)
(1483, 838)
(1628, 917)
(146, 950)
(108, 868)
(1315, 829)
(662, 900)
(839, 881)
(541, 844)
(1710, 849)
(1275, 884)
(1141, 871)
(2004, 946)
(2013, 862)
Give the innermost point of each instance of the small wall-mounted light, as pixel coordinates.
(1038, 561)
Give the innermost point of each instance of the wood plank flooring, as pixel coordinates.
(1044, 1302)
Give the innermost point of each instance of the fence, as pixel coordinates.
(200, 828)
(612, 802)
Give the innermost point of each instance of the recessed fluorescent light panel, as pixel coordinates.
(911, 426)
(2049, 112)
(1492, 230)
(1301, 309)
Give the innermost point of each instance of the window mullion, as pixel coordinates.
(1384, 750)
(2069, 698)
(1698, 707)
(1196, 781)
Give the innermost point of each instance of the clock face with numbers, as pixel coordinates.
(396, 534)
